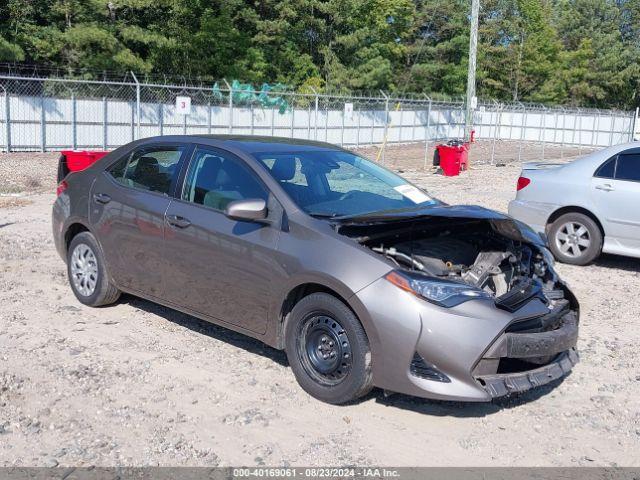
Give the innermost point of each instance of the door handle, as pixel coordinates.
(101, 198)
(606, 187)
(178, 221)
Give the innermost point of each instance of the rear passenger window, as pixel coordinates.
(607, 169)
(216, 179)
(628, 167)
(150, 169)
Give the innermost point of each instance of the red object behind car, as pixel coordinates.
(453, 157)
(74, 161)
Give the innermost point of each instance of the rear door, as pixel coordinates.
(616, 191)
(128, 203)
(219, 266)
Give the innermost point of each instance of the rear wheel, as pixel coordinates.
(575, 239)
(328, 349)
(87, 272)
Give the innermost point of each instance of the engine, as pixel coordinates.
(482, 259)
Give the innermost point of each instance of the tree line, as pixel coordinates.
(573, 52)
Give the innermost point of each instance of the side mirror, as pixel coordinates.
(251, 209)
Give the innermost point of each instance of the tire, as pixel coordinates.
(336, 379)
(85, 263)
(575, 238)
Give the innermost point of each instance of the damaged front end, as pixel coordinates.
(449, 255)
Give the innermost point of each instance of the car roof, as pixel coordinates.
(590, 161)
(252, 143)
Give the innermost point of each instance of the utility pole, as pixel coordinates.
(471, 75)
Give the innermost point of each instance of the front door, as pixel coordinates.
(221, 267)
(128, 203)
(617, 196)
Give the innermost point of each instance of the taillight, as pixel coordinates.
(62, 186)
(522, 182)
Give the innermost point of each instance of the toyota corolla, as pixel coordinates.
(361, 277)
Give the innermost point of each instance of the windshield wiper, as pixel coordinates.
(323, 214)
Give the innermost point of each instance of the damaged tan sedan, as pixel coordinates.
(361, 277)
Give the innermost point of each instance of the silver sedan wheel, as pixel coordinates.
(84, 270)
(572, 239)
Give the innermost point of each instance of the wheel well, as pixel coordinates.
(297, 294)
(73, 230)
(561, 211)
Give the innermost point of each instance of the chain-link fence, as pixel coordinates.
(44, 114)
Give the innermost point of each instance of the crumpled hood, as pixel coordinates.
(500, 222)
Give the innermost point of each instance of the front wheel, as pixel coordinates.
(575, 238)
(328, 349)
(87, 272)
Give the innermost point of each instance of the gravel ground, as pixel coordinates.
(139, 384)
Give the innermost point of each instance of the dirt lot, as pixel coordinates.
(139, 384)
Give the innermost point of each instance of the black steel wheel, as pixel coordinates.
(328, 349)
(324, 349)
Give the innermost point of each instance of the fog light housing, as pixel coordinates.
(422, 369)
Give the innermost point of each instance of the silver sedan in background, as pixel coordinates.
(585, 207)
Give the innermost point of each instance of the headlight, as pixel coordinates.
(440, 292)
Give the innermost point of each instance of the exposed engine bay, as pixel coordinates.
(471, 250)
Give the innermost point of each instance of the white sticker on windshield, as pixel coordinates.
(412, 193)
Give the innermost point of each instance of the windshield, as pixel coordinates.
(332, 183)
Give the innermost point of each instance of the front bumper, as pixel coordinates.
(472, 352)
(505, 384)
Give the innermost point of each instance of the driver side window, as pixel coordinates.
(216, 179)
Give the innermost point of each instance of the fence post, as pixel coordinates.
(555, 126)
(342, 128)
(427, 134)
(252, 121)
(579, 130)
(161, 118)
(326, 123)
(230, 105)
(400, 122)
(613, 125)
(386, 123)
(273, 122)
(209, 117)
(43, 126)
(523, 129)
(7, 119)
(373, 127)
(596, 125)
(74, 122)
(544, 129)
(564, 119)
(135, 79)
(293, 115)
(358, 128)
(105, 123)
(133, 121)
(315, 118)
(495, 132)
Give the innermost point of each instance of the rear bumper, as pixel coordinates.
(534, 214)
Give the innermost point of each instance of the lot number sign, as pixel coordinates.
(183, 105)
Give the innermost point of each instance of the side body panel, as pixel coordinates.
(222, 267)
(130, 229)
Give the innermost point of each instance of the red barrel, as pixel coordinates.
(452, 159)
(79, 160)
